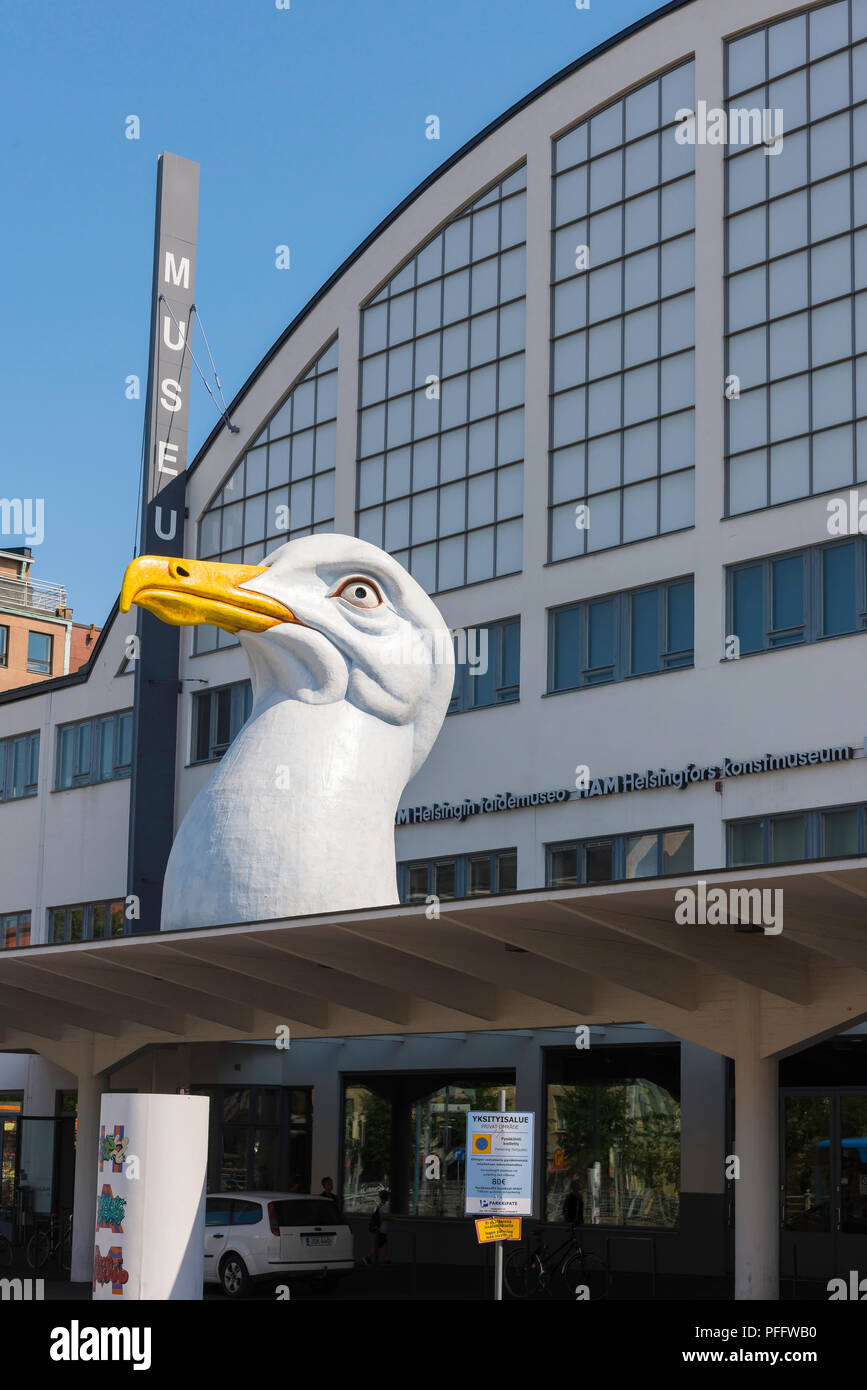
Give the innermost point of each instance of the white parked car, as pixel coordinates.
(273, 1236)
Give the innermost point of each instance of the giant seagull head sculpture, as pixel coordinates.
(352, 669)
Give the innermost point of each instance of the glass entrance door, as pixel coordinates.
(852, 1241)
(823, 1182)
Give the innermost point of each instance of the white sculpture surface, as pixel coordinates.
(352, 669)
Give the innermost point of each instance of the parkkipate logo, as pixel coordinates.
(76, 1343)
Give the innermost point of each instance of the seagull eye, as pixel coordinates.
(361, 593)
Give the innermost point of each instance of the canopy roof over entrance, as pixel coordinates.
(546, 958)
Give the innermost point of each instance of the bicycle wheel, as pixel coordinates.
(64, 1253)
(585, 1276)
(38, 1249)
(5, 1253)
(524, 1274)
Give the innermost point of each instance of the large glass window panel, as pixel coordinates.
(642, 856)
(788, 838)
(643, 631)
(840, 832)
(598, 861)
(746, 844)
(601, 638)
(787, 600)
(838, 589)
(677, 851)
(677, 501)
(748, 607)
(748, 482)
(565, 639)
(807, 1158)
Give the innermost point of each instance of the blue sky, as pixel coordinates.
(308, 124)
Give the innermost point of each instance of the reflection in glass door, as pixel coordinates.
(807, 1158)
(824, 1182)
(853, 1162)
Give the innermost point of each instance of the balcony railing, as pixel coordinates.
(37, 594)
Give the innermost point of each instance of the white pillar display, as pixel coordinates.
(150, 1197)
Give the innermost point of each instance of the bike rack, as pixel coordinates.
(632, 1240)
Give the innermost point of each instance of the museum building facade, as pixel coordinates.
(600, 385)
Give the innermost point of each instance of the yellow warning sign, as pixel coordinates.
(498, 1228)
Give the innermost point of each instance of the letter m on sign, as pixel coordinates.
(175, 274)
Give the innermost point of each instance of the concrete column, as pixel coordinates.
(757, 1202)
(529, 1095)
(90, 1089)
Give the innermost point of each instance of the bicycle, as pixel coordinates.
(55, 1242)
(529, 1273)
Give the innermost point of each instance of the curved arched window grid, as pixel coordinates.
(282, 488)
(796, 262)
(441, 397)
(622, 319)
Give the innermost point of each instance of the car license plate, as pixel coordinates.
(318, 1240)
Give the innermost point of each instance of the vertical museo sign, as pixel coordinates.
(151, 1172)
(167, 409)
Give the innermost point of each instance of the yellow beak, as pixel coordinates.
(185, 592)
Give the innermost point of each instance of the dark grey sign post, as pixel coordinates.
(155, 721)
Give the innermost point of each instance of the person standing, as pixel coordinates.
(328, 1191)
(378, 1226)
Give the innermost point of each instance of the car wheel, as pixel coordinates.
(234, 1279)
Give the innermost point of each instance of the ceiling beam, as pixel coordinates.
(336, 947)
(271, 961)
(191, 964)
(446, 943)
(768, 962)
(646, 970)
(210, 1005)
(47, 982)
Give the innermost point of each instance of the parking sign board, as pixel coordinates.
(499, 1163)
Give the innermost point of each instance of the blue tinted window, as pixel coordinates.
(511, 656)
(246, 1213)
(838, 590)
(600, 640)
(787, 579)
(681, 622)
(487, 665)
(565, 634)
(622, 635)
(644, 636)
(747, 588)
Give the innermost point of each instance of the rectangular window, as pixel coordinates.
(613, 1136)
(218, 717)
(4, 646)
(833, 832)
(39, 649)
(459, 876)
(622, 434)
(800, 596)
(633, 633)
(487, 666)
(94, 750)
(19, 767)
(86, 921)
(14, 930)
(648, 854)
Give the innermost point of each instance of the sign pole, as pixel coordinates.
(498, 1247)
